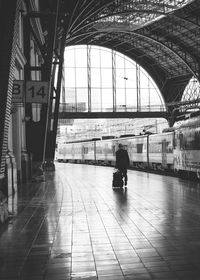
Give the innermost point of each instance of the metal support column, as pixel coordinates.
(89, 77)
(36, 148)
(52, 131)
(138, 88)
(114, 79)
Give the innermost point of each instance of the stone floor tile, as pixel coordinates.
(74, 226)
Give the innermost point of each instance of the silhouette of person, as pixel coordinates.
(122, 162)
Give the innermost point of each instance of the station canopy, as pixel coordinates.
(163, 36)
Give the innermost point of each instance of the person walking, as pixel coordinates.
(122, 162)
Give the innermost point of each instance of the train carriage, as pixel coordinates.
(137, 148)
(76, 152)
(105, 152)
(89, 152)
(187, 147)
(177, 150)
(64, 152)
(161, 151)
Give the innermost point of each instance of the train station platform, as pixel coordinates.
(74, 226)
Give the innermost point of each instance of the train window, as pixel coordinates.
(139, 148)
(186, 140)
(175, 142)
(99, 150)
(91, 148)
(155, 147)
(196, 143)
(181, 141)
(190, 140)
(169, 147)
(133, 148)
(85, 150)
(113, 150)
(193, 140)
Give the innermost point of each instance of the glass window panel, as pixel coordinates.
(130, 83)
(131, 99)
(155, 98)
(144, 83)
(96, 99)
(95, 57)
(69, 58)
(70, 77)
(107, 100)
(120, 78)
(81, 57)
(106, 75)
(70, 99)
(120, 99)
(144, 97)
(95, 77)
(106, 59)
(82, 99)
(119, 61)
(129, 64)
(131, 78)
(81, 77)
(71, 93)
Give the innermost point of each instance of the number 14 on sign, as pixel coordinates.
(37, 92)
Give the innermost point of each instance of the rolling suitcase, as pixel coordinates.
(117, 182)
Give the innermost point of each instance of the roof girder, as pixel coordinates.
(170, 53)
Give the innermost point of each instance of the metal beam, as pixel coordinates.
(102, 115)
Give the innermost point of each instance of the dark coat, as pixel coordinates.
(122, 159)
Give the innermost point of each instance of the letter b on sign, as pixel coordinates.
(17, 91)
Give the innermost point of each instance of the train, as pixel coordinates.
(175, 150)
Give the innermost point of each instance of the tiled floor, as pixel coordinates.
(77, 227)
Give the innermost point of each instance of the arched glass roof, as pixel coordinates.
(162, 36)
(191, 95)
(142, 13)
(101, 80)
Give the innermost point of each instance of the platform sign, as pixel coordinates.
(18, 91)
(37, 92)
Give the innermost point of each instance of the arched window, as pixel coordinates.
(192, 93)
(99, 79)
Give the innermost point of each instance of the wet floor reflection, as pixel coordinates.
(77, 227)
